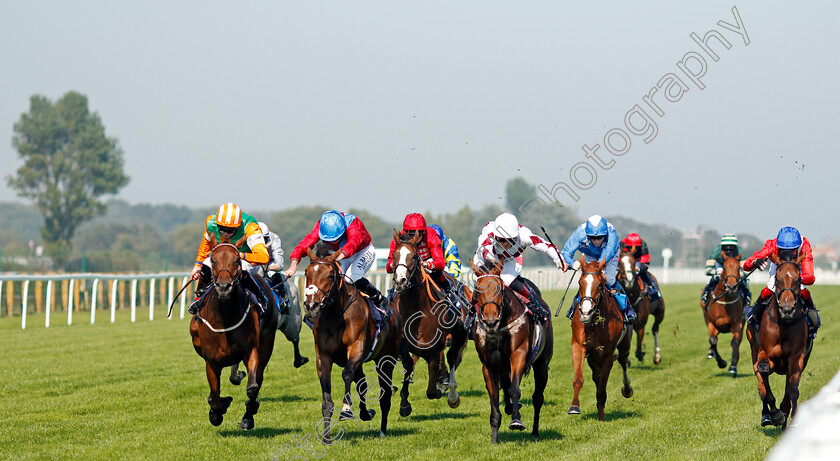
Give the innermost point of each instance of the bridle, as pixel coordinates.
(726, 290)
(596, 301)
(416, 258)
(328, 297)
(485, 325)
(795, 289)
(234, 277)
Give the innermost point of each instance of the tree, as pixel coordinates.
(517, 193)
(68, 164)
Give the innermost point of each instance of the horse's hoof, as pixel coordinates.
(516, 425)
(778, 418)
(640, 356)
(733, 370)
(411, 378)
(710, 354)
(226, 403)
(301, 361)
(405, 411)
(657, 359)
(216, 418)
(246, 424)
(235, 380)
(345, 415)
(721, 363)
(394, 389)
(454, 403)
(765, 420)
(574, 410)
(627, 392)
(367, 416)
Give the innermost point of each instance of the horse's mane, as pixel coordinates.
(322, 249)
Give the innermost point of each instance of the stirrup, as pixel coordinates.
(195, 306)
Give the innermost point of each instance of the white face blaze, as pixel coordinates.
(401, 271)
(586, 305)
(627, 267)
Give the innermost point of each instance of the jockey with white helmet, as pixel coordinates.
(597, 240)
(503, 240)
(273, 270)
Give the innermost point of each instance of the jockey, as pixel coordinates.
(503, 240)
(714, 266)
(787, 245)
(345, 233)
(450, 253)
(273, 270)
(429, 250)
(634, 245)
(597, 240)
(228, 225)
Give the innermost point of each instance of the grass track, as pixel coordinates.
(133, 391)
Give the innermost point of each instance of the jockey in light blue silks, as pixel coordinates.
(597, 240)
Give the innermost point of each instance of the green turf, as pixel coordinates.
(125, 390)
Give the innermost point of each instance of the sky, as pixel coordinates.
(396, 107)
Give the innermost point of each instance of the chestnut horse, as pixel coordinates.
(724, 312)
(508, 342)
(227, 330)
(781, 345)
(597, 331)
(426, 318)
(345, 335)
(629, 277)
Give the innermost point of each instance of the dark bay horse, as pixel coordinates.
(228, 330)
(508, 343)
(344, 334)
(724, 312)
(597, 331)
(781, 345)
(426, 318)
(628, 275)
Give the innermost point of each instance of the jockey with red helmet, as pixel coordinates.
(228, 225)
(787, 245)
(344, 233)
(634, 245)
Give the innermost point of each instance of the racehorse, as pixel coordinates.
(427, 317)
(597, 331)
(781, 345)
(628, 275)
(724, 312)
(289, 324)
(228, 330)
(508, 343)
(345, 334)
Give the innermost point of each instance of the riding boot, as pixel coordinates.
(652, 290)
(200, 290)
(708, 290)
(278, 285)
(571, 312)
(450, 294)
(258, 297)
(469, 320)
(617, 291)
(812, 315)
(540, 314)
(754, 320)
(745, 293)
(367, 288)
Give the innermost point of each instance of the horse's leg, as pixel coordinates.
(540, 381)
(601, 379)
(578, 353)
(658, 317)
(773, 415)
(517, 366)
(432, 391)
(454, 356)
(324, 366)
(640, 335)
(736, 349)
(385, 370)
(218, 405)
(713, 341)
(300, 360)
(790, 402)
(408, 364)
(255, 370)
(362, 388)
(236, 375)
(492, 383)
(348, 375)
(623, 354)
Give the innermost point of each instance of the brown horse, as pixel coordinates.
(426, 318)
(228, 330)
(508, 342)
(781, 345)
(597, 331)
(344, 334)
(628, 275)
(724, 312)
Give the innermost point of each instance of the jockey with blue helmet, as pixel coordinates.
(450, 252)
(788, 245)
(597, 240)
(344, 233)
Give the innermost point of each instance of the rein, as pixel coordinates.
(225, 330)
(425, 278)
(234, 283)
(505, 303)
(327, 301)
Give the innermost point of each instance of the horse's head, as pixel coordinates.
(227, 267)
(323, 281)
(592, 282)
(788, 284)
(731, 270)
(627, 270)
(489, 295)
(406, 262)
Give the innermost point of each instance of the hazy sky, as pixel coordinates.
(398, 106)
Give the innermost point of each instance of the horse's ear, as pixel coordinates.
(740, 255)
(602, 264)
(723, 255)
(310, 253)
(396, 235)
(416, 239)
(241, 241)
(331, 258)
(774, 258)
(213, 241)
(800, 259)
(497, 268)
